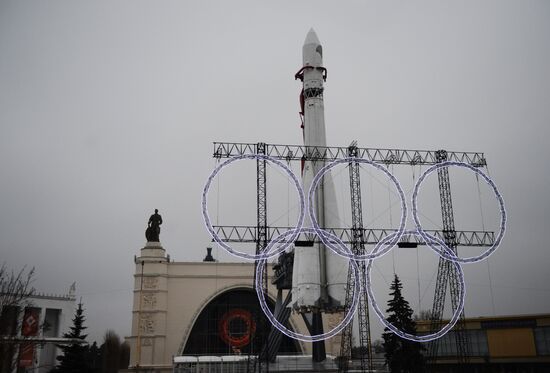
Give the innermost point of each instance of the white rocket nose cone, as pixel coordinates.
(312, 51)
(312, 38)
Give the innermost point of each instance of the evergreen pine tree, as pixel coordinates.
(401, 354)
(75, 357)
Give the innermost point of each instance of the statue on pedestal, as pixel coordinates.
(153, 227)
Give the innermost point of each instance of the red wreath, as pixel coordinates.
(225, 332)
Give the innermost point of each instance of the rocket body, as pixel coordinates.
(319, 275)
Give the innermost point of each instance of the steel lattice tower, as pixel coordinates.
(258, 364)
(358, 248)
(446, 272)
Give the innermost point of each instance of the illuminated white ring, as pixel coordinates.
(302, 337)
(426, 337)
(341, 249)
(210, 228)
(426, 236)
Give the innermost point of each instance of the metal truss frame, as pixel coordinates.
(261, 234)
(249, 233)
(315, 153)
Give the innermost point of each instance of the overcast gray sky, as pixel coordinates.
(109, 110)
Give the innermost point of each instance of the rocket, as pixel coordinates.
(319, 276)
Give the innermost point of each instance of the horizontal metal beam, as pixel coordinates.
(243, 233)
(387, 156)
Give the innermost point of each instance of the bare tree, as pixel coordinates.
(124, 358)
(110, 351)
(15, 290)
(114, 354)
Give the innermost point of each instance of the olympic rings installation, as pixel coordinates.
(217, 238)
(284, 240)
(342, 249)
(456, 314)
(429, 238)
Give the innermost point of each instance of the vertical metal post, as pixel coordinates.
(446, 273)
(358, 248)
(261, 199)
(261, 243)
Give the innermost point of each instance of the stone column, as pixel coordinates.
(148, 337)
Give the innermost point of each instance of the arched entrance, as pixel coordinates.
(233, 323)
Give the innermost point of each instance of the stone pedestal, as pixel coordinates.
(152, 252)
(148, 337)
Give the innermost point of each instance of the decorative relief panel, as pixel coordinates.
(150, 282)
(147, 341)
(147, 324)
(149, 300)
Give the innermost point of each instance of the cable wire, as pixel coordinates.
(487, 261)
